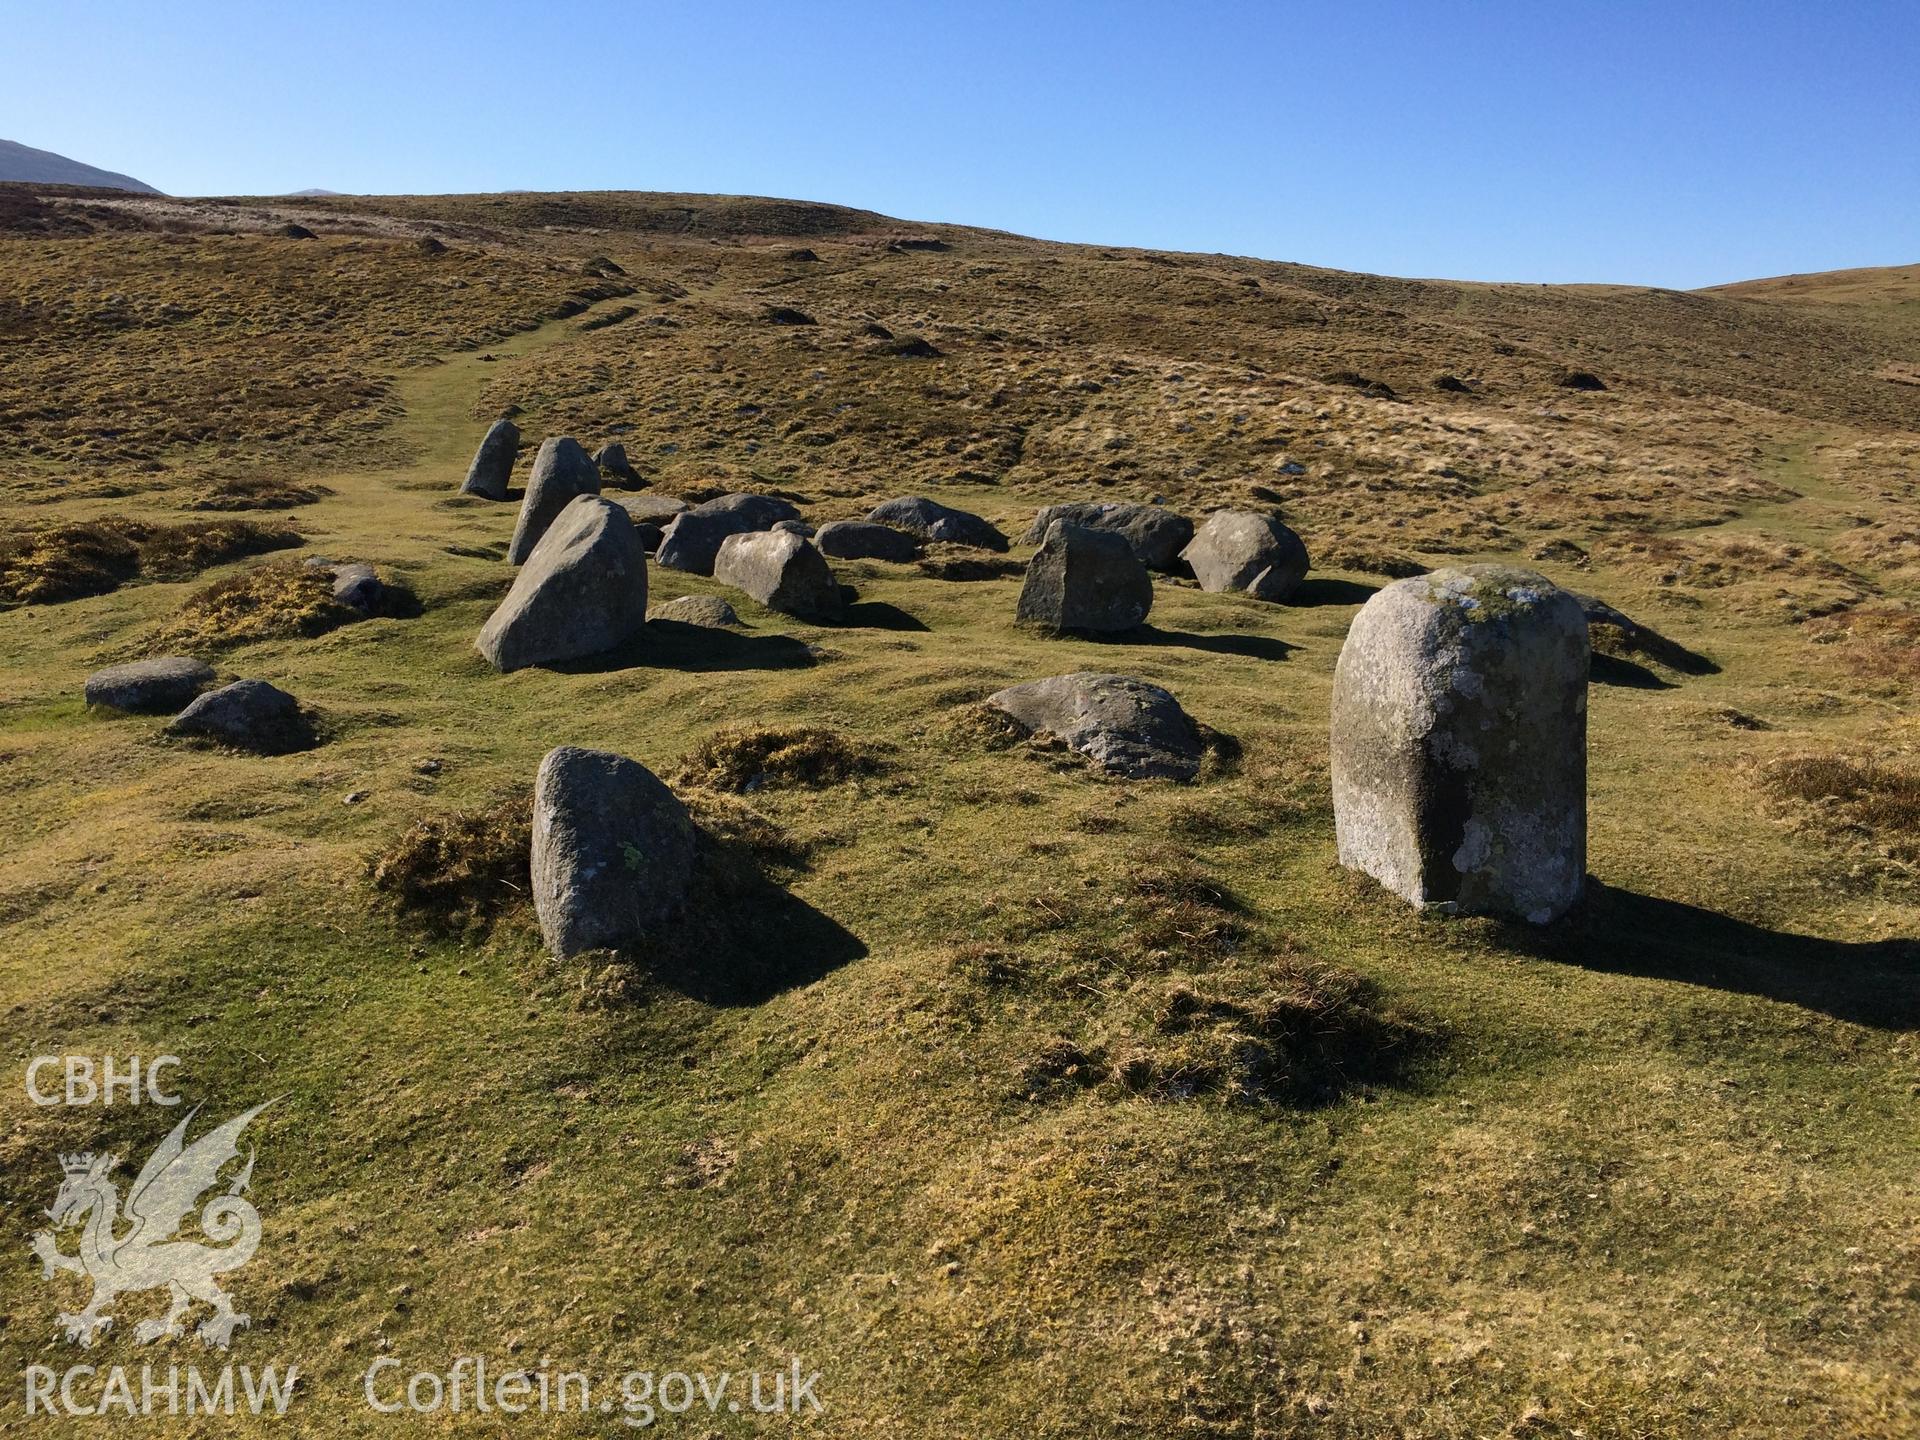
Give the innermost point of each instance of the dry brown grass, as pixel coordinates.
(50, 563)
(463, 871)
(269, 602)
(1865, 798)
(743, 760)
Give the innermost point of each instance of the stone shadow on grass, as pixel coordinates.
(1254, 647)
(1318, 590)
(876, 614)
(1616, 670)
(676, 645)
(1874, 983)
(748, 946)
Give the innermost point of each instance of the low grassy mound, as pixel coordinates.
(741, 760)
(45, 565)
(261, 492)
(269, 602)
(461, 872)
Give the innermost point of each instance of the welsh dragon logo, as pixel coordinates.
(150, 1256)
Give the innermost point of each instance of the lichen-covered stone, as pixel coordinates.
(1247, 551)
(1459, 742)
(1123, 725)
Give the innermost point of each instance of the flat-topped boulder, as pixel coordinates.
(582, 591)
(246, 715)
(1085, 580)
(1247, 551)
(931, 520)
(613, 851)
(562, 471)
(1124, 725)
(1459, 742)
(162, 684)
(708, 610)
(1157, 534)
(863, 540)
(783, 572)
(492, 465)
(648, 506)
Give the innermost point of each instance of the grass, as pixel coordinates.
(1326, 1166)
(45, 564)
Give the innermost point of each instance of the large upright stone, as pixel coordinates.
(1245, 550)
(1088, 580)
(1157, 534)
(583, 590)
(561, 472)
(782, 571)
(493, 462)
(931, 520)
(1460, 742)
(612, 851)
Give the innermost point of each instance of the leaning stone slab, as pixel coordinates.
(1247, 551)
(1460, 742)
(1124, 725)
(1157, 534)
(783, 572)
(492, 465)
(931, 520)
(583, 590)
(612, 851)
(561, 471)
(164, 683)
(247, 715)
(1085, 580)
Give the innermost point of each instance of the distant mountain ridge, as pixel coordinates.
(23, 162)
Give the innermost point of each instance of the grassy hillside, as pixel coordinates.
(1012, 1099)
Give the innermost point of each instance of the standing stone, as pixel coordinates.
(493, 462)
(1157, 534)
(612, 460)
(1245, 550)
(583, 590)
(931, 520)
(561, 471)
(612, 851)
(165, 683)
(1083, 579)
(1460, 742)
(783, 572)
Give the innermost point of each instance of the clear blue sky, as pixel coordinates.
(1677, 144)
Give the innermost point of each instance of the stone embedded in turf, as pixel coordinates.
(1460, 742)
(492, 463)
(164, 683)
(931, 520)
(862, 540)
(612, 851)
(247, 715)
(562, 471)
(583, 590)
(1085, 580)
(1157, 534)
(692, 539)
(1124, 725)
(708, 610)
(1247, 551)
(783, 572)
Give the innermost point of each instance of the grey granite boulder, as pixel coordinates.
(164, 683)
(1125, 726)
(561, 472)
(1088, 580)
(648, 506)
(612, 851)
(583, 590)
(1460, 742)
(931, 520)
(1157, 534)
(782, 571)
(708, 610)
(492, 465)
(612, 460)
(355, 583)
(863, 540)
(247, 715)
(1245, 550)
(692, 539)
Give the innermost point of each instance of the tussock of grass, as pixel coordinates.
(64, 562)
(1845, 794)
(263, 492)
(743, 760)
(461, 872)
(269, 602)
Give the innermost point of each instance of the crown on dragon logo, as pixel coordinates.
(81, 1162)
